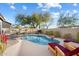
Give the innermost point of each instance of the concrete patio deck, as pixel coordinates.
(27, 48)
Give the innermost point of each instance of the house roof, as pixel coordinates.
(3, 19)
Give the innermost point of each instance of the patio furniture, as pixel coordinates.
(51, 48)
(71, 45)
(59, 50)
(69, 40)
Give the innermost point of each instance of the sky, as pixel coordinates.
(10, 10)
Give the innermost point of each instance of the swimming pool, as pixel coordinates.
(40, 39)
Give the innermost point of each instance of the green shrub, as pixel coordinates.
(67, 36)
(56, 34)
(77, 37)
(49, 32)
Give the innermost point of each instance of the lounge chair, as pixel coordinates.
(51, 48)
(59, 50)
(71, 45)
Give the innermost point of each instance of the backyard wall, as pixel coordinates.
(72, 31)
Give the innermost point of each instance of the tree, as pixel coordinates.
(18, 27)
(67, 19)
(35, 20)
(47, 17)
(21, 19)
(39, 19)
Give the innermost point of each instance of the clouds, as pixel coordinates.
(75, 4)
(24, 7)
(44, 9)
(54, 5)
(40, 5)
(55, 14)
(75, 11)
(12, 6)
(47, 6)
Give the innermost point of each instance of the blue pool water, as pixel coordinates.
(40, 39)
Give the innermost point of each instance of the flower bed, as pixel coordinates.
(3, 42)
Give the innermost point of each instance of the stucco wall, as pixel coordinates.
(72, 31)
(6, 24)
